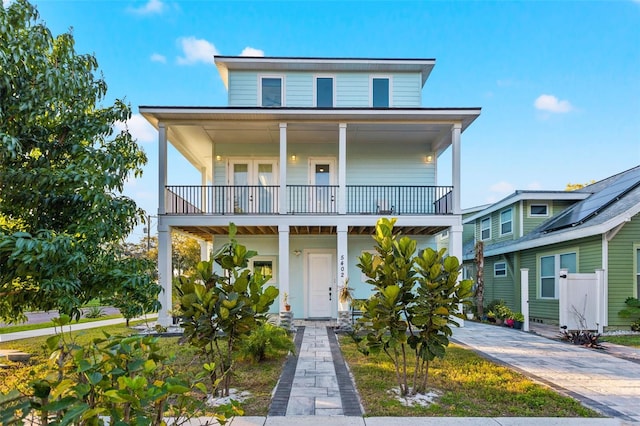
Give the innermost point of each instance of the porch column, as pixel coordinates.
(162, 167)
(283, 172)
(204, 250)
(343, 261)
(455, 167)
(283, 264)
(165, 273)
(342, 168)
(524, 297)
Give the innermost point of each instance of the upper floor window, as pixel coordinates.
(550, 267)
(324, 92)
(538, 210)
(500, 269)
(380, 92)
(485, 228)
(506, 222)
(271, 91)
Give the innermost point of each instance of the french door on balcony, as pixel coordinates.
(253, 184)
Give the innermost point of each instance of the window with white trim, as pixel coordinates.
(506, 222)
(324, 92)
(541, 210)
(264, 265)
(485, 228)
(500, 269)
(380, 92)
(271, 91)
(550, 267)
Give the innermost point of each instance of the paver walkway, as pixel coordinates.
(606, 383)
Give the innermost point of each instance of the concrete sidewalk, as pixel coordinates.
(606, 383)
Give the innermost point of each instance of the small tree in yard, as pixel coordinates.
(400, 317)
(217, 311)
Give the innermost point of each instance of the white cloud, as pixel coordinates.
(149, 8)
(156, 57)
(196, 50)
(534, 186)
(139, 128)
(250, 51)
(552, 104)
(502, 187)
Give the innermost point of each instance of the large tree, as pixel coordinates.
(62, 172)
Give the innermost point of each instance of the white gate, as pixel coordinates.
(581, 301)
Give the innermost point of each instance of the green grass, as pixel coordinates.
(27, 327)
(258, 378)
(632, 340)
(468, 384)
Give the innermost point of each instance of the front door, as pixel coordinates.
(322, 179)
(320, 279)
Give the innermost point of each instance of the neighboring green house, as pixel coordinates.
(593, 228)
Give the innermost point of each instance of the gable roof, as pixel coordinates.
(327, 65)
(608, 215)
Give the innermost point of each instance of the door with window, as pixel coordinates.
(323, 190)
(254, 185)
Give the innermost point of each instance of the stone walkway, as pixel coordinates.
(319, 383)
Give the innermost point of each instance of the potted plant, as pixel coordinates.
(518, 320)
(345, 295)
(469, 313)
(285, 300)
(491, 316)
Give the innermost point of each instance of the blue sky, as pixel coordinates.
(558, 82)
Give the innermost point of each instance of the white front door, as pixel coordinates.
(254, 186)
(320, 279)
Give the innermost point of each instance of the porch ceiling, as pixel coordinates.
(207, 233)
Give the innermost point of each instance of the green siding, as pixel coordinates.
(503, 288)
(589, 258)
(621, 276)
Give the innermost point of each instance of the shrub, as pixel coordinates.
(266, 340)
(94, 312)
(632, 311)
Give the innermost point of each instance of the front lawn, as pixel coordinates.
(469, 386)
(632, 340)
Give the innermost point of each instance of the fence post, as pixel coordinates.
(524, 297)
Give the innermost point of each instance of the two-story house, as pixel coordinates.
(305, 158)
(543, 232)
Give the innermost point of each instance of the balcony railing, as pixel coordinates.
(308, 199)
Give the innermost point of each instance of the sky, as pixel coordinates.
(558, 82)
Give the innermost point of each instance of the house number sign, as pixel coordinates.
(342, 266)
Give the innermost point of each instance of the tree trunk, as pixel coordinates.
(480, 278)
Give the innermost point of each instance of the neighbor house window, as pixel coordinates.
(485, 228)
(506, 222)
(550, 267)
(271, 91)
(324, 92)
(380, 92)
(500, 269)
(538, 210)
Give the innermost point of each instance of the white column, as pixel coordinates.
(343, 262)
(204, 250)
(203, 190)
(455, 167)
(165, 273)
(283, 264)
(342, 168)
(283, 170)
(162, 167)
(455, 249)
(524, 297)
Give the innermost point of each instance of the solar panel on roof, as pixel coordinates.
(591, 206)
